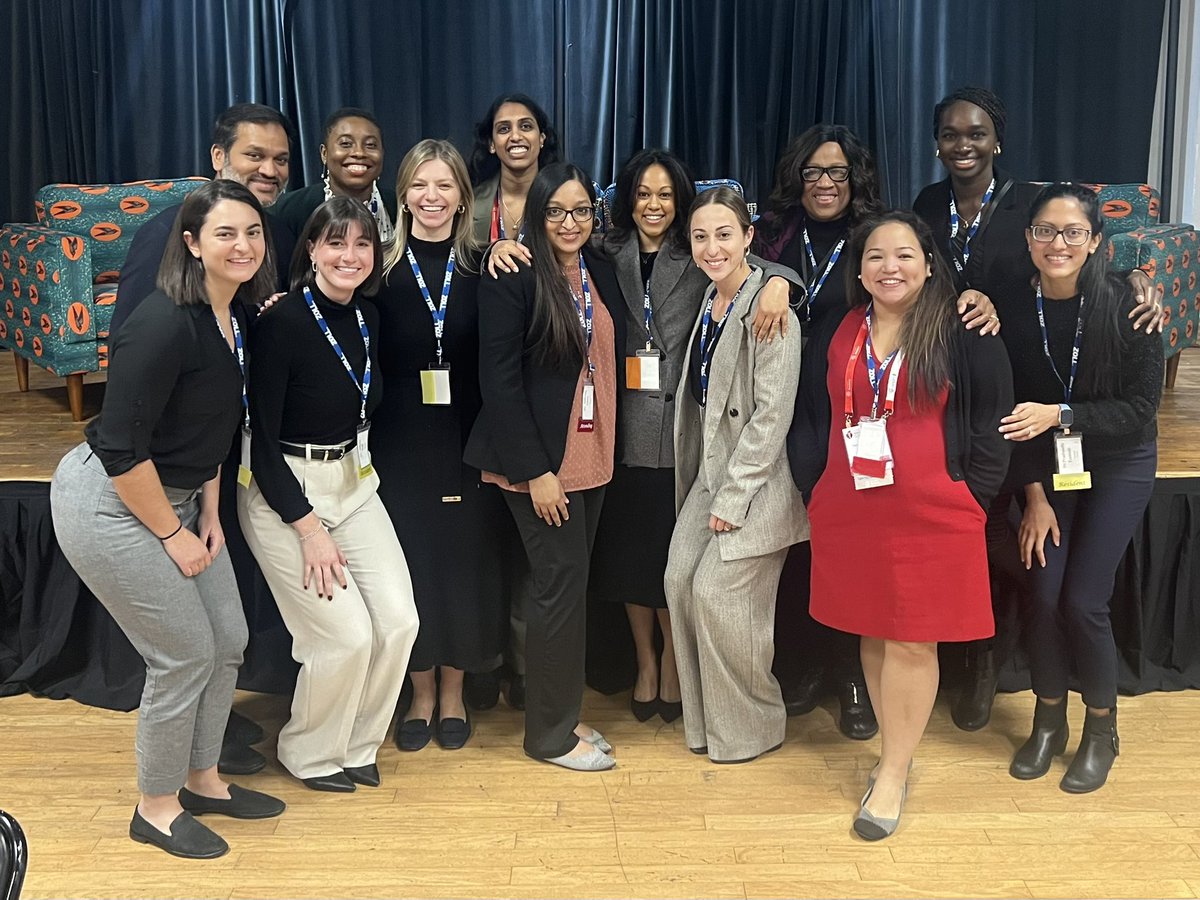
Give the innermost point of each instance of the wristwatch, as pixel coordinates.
(1066, 418)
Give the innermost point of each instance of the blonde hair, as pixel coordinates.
(466, 248)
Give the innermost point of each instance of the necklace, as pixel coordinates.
(514, 220)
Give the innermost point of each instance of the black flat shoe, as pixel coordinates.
(481, 690)
(240, 759)
(746, 759)
(669, 710)
(800, 697)
(368, 776)
(242, 804)
(516, 692)
(188, 838)
(857, 720)
(413, 734)
(453, 733)
(241, 730)
(699, 751)
(643, 710)
(337, 783)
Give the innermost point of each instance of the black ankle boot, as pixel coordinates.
(973, 707)
(1048, 740)
(857, 720)
(1098, 749)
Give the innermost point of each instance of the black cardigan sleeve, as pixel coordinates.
(808, 436)
(1139, 386)
(990, 393)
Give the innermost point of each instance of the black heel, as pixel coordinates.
(1048, 740)
(1098, 750)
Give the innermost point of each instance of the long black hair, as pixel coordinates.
(483, 163)
(559, 340)
(1105, 297)
(864, 181)
(682, 185)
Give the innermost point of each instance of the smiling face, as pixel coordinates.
(966, 140)
(343, 263)
(719, 245)
(230, 245)
(433, 197)
(516, 138)
(353, 151)
(1056, 260)
(568, 236)
(653, 206)
(893, 267)
(259, 158)
(826, 199)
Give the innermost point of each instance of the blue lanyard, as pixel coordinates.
(814, 289)
(585, 314)
(365, 386)
(240, 353)
(438, 312)
(875, 375)
(647, 315)
(974, 227)
(1070, 384)
(708, 347)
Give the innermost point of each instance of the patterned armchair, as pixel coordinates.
(60, 275)
(1168, 253)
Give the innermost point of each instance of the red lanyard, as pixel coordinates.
(889, 404)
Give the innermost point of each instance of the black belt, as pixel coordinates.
(322, 453)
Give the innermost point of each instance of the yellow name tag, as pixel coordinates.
(244, 465)
(1078, 481)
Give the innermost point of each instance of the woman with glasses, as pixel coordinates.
(1085, 453)
(549, 374)
(978, 215)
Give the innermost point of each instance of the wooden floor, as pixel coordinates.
(488, 822)
(36, 427)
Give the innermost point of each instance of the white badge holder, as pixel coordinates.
(869, 454)
(641, 371)
(435, 386)
(362, 451)
(587, 410)
(244, 463)
(1068, 458)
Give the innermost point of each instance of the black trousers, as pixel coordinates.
(1067, 615)
(555, 618)
(802, 644)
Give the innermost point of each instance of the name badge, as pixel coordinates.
(362, 451)
(641, 371)
(869, 454)
(1068, 457)
(587, 411)
(244, 465)
(435, 386)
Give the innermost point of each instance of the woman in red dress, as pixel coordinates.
(897, 440)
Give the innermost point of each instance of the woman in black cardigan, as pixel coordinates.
(549, 376)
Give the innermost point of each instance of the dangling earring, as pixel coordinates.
(937, 152)
(997, 151)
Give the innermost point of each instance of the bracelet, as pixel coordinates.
(178, 529)
(304, 538)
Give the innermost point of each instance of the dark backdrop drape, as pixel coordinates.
(112, 90)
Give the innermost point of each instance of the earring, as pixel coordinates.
(314, 267)
(997, 151)
(404, 208)
(461, 209)
(937, 152)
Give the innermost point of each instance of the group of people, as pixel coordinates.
(463, 412)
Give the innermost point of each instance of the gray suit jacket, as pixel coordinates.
(742, 433)
(481, 209)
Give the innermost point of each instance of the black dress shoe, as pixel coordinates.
(669, 710)
(1048, 740)
(242, 804)
(1098, 750)
(700, 751)
(745, 759)
(240, 759)
(972, 708)
(188, 838)
(857, 720)
(337, 783)
(453, 733)
(643, 710)
(481, 690)
(413, 734)
(800, 697)
(368, 776)
(241, 730)
(516, 692)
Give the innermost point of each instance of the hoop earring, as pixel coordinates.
(937, 152)
(314, 266)
(997, 151)
(461, 209)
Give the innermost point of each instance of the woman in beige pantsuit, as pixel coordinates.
(738, 510)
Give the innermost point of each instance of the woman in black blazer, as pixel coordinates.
(549, 376)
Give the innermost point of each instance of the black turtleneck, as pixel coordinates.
(301, 393)
(824, 236)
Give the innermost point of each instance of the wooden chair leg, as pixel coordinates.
(75, 395)
(1173, 369)
(22, 371)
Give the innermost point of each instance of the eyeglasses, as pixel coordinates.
(580, 214)
(835, 173)
(1074, 237)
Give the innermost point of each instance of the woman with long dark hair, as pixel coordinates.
(549, 374)
(1085, 457)
(899, 444)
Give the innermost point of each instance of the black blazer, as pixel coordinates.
(981, 392)
(998, 250)
(521, 432)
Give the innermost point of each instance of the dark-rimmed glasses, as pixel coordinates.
(835, 173)
(580, 214)
(1074, 236)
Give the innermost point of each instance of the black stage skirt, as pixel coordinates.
(630, 555)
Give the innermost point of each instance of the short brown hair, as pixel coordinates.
(332, 219)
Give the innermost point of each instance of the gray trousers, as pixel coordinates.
(190, 631)
(723, 623)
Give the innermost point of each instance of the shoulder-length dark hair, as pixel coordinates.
(559, 340)
(682, 186)
(930, 325)
(483, 163)
(181, 275)
(1105, 295)
(332, 219)
(864, 181)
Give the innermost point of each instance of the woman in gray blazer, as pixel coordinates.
(662, 291)
(737, 508)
